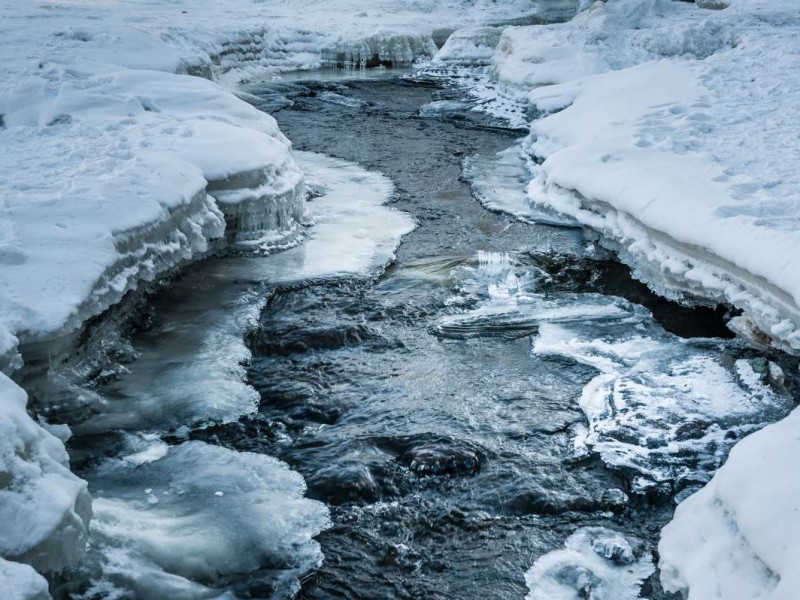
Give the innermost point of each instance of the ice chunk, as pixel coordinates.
(596, 564)
(218, 515)
(500, 184)
(661, 409)
(499, 297)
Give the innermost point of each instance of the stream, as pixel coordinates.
(459, 408)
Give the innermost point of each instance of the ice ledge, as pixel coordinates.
(683, 272)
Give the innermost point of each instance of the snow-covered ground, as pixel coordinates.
(672, 131)
(117, 167)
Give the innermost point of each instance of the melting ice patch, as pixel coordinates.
(500, 182)
(353, 233)
(596, 564)
(661, 409)
(188, 524)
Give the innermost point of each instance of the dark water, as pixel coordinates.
(445, 456)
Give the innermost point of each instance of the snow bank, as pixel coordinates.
(670, 134)
(44, 508)
(739, 537)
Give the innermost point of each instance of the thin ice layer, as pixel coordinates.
(500, 182)
(191, 521)
(661, 409)
(353, 232)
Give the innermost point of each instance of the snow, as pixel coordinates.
(21, 582)
(670, 132)
(737, 538)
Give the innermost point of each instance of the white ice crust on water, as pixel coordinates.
(661, 409)
(177, 526)
(344, 239)
(596, 564)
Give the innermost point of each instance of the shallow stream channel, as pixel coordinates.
(494, 408)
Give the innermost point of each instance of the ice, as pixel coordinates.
(596, 564)
(44, 508)
(497, 296)
(663, 410)
(500, 184)
(186, 525)
(344, 239)
(21, 582)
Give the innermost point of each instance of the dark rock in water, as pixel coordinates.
(60, 120)
(614, 499)
(318, 414)
(344, 483)
(442, 459)
(693, 430)
(579, 578)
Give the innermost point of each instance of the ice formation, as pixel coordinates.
(44, 508)
(596, 564)
(185, 523)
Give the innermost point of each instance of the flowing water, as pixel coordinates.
(499, 411)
